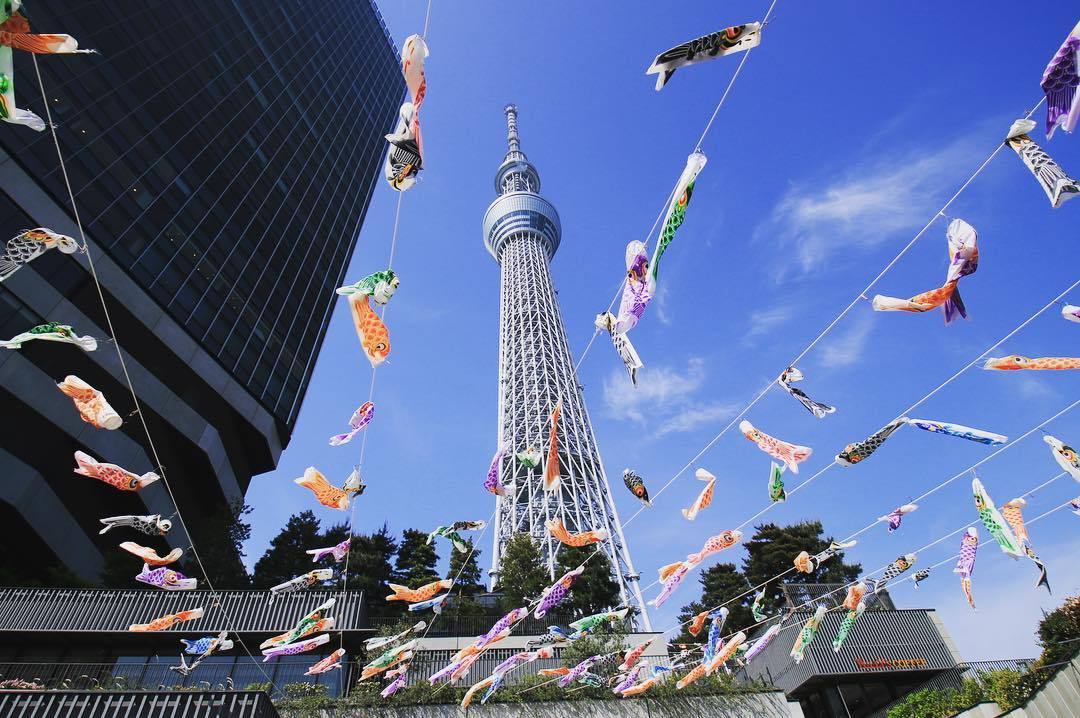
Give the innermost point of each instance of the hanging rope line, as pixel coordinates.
(127, 375)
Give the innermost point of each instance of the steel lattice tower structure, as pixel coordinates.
(522, 232)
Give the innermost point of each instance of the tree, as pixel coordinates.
(416, 559)
(522, 573)
(285, 558)
(773, 548)
(218, 538)
(119, 569)
(465, 567)
(370, 568)
(719, 584)
(595, 589)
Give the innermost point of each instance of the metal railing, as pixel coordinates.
(94, 610)
(101, 704)
(214, 673)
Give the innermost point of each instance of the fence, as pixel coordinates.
(101, 704)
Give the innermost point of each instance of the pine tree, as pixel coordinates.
(719, 583)
(370, 567)
(416, 559)
(522, 573)
(773, 548)
(465, 567)
(285, 558)
(595, 589)
(219, 539)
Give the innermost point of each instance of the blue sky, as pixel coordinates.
(848, 128)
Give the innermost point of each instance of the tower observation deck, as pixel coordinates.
(522, 232)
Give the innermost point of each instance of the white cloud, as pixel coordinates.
(763, 321)
(665, 399)
(656, 387)
(847, 348)
(860, 208)
(692, 417)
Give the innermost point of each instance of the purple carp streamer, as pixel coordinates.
(1059, 82)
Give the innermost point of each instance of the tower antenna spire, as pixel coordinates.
(522, 232)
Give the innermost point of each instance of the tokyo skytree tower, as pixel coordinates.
(536, 371)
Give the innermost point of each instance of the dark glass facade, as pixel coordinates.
(224, 155)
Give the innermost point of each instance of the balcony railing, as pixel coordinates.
(99, 704)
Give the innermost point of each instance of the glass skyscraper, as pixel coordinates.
(222, 157)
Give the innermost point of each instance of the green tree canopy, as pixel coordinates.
(285, 558)
(219, 537)
(773, 548)
(465, 566)
(522, 573)
(370, 566)
(719, 583)
(416, 559)
(595, 589)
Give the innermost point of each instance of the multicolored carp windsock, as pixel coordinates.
(963, 260)
(558, 531)
(338, 551)
(15, 35)
(636, 484)
(150, 524)
(805, 563)
(965, 563)
(1060, 81)
(704, 498)
(1016, 362)
(452, 532)
(552, 472)
(860, 450)
(557, 592)
(792, 375)
(405, 158)
(31, 243)
(492, 483)
(994, 521)
(50, 332)
(1071, 313)
(111, 474)
(370, 329)
(380, 286)
(607, 322)
(303, 581)
(776, 483)
(150, 556)
(357, 422)
(807, 634)
(958, 430)
(846, 625)
(1013, 513)
(166, 578)
(1064, 455)
(90, 403)
(409, 595)
(791, 454)
(728, 41)
(326, 494)
(1057, 185)
(684, 190)
(637, 290)
(894, 517)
